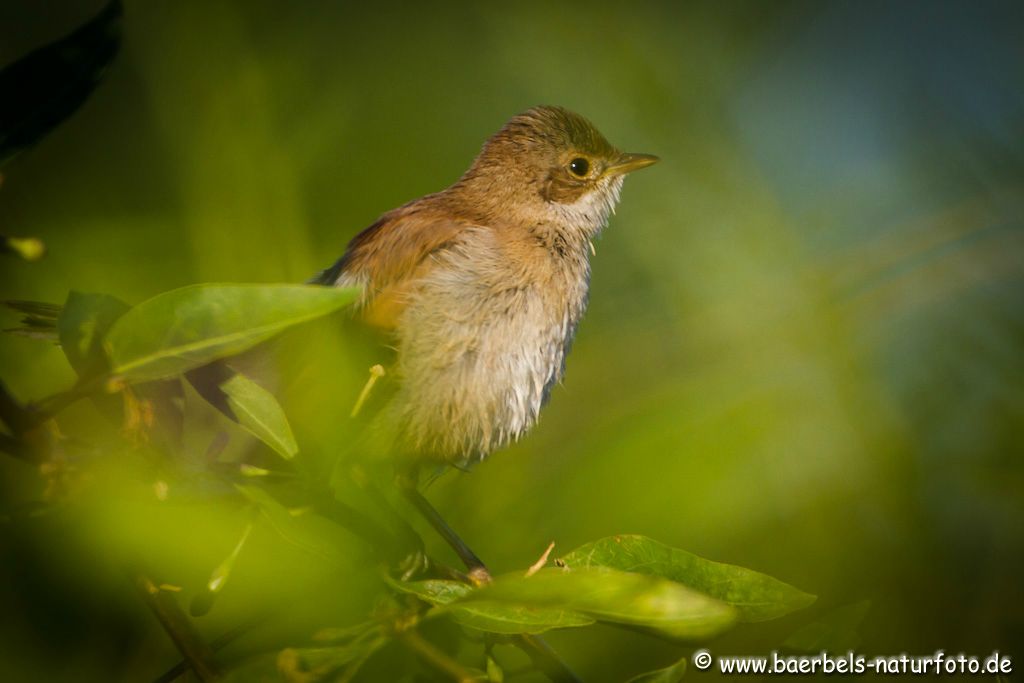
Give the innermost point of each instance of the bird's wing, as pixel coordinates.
(388, 257)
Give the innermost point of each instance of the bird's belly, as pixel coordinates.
(475, 375)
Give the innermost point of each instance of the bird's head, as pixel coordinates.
(549, 164)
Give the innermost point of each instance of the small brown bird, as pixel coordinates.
(482, 285)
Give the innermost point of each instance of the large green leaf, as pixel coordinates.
(188, 327)
(259, 413)
(81, 325)
(756, 596)
(647, 602)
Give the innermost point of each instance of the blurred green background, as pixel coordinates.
(803, 352)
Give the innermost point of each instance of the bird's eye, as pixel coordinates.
(579, 166)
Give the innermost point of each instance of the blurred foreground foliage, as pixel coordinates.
(134, 363)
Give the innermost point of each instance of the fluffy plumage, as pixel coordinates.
(482, 285)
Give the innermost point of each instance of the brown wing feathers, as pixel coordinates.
(386, 257)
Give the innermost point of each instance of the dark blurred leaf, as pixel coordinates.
(836, 631)
(308, 531)
(672, 674)
(647, 602)
(756, 596)
(82, 323)
(192, 326)
(260, 414)
(45, 87)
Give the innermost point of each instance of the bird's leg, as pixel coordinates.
(475, 567)
(543, 657)
(417, 560)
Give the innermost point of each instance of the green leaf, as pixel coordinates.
(756, 596)
(259, 413)
(671, 674)
(647, 602)
(836, 631)
(81, 325)
(498, 617)
(487, 616)
(189, 327)
(434, 591)
(308, 531)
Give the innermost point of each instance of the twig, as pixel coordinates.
(546, 659)
(196, 652)
(216, 644)
(476, 567)
(435, 658)
(543, 657)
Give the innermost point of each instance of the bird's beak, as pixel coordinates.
(627, 163)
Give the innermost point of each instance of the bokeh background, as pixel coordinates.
(803, 352)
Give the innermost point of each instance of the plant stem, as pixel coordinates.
(217, 643)
(542, 655)
(435, 658)
(196, 652)
(474, 564)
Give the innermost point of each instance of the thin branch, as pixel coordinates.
(476, 567)
(542, 655)
(216, 644)
(546, 659)
(435, 658)
(196, 652)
